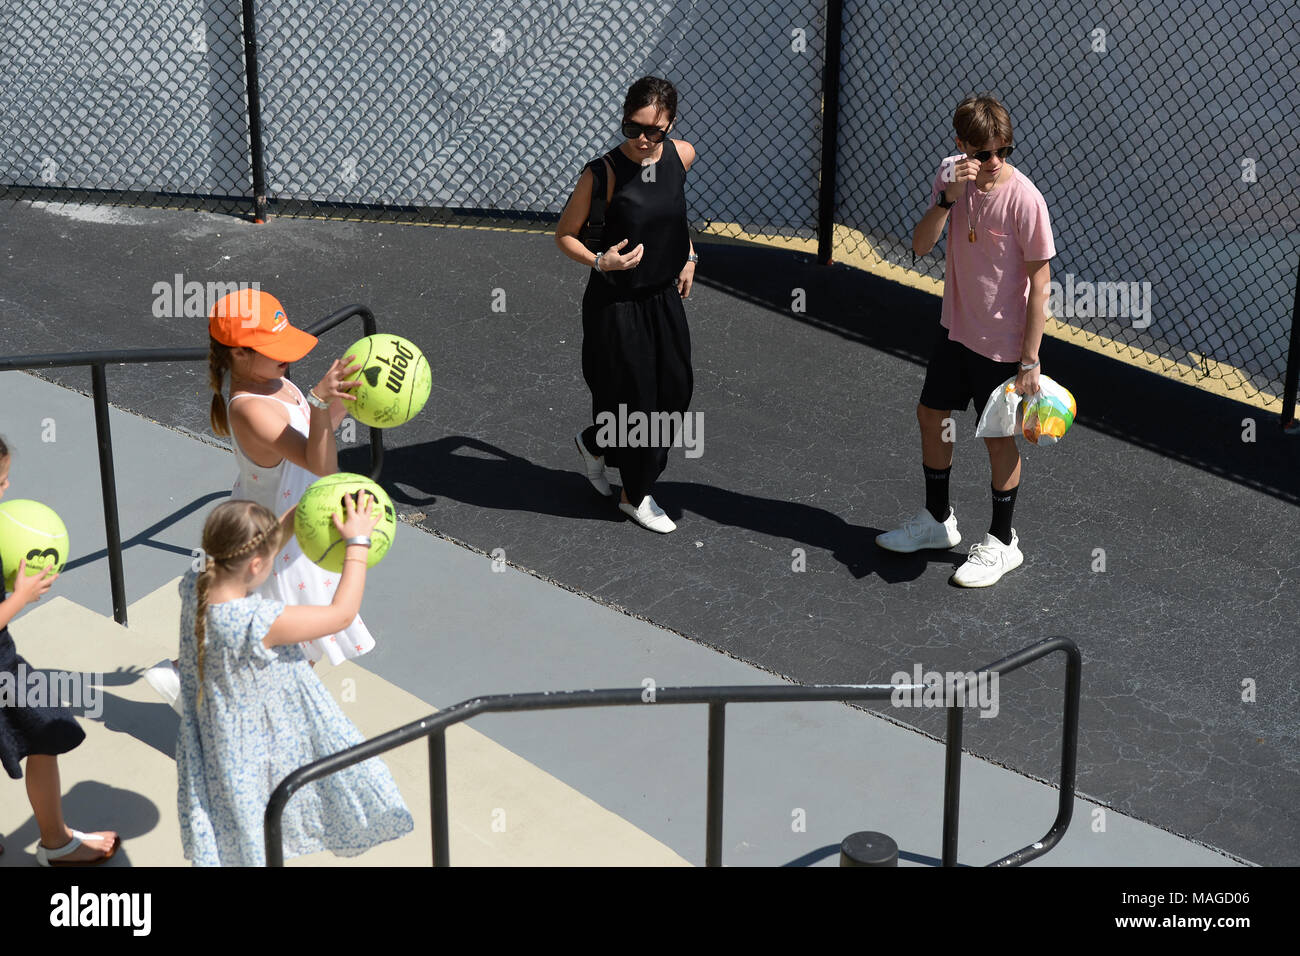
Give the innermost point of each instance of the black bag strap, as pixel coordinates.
(595, 230)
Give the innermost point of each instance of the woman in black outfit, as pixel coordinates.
(636, 347)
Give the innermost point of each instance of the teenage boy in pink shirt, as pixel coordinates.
(994, 309)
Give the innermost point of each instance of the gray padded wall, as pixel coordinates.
(134, 95)
(498, 105)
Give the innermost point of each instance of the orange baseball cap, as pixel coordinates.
(255, 319)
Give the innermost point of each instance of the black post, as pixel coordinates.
(868, 848)
(254, 114)
(830, 131)
(438, 797)
(952, 786)
(713, 837)
(1292, 363)
(108, 487)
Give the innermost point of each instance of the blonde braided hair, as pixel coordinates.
(234, 533)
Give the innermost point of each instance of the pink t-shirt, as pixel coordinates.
(986, 285)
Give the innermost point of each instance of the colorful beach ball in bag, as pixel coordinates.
(1048, 413)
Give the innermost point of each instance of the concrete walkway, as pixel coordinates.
(615, 786)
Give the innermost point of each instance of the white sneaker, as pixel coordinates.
(988, 561)
(922, 532)
(648, 515)
(595, 468)
(164, 678)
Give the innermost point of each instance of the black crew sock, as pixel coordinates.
(936, 491)
(1004, 503)
(589, 442)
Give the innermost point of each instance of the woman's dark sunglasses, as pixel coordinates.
(984, 155)
(653, 133)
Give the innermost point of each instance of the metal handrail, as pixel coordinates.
(97, 360)
(435, 727)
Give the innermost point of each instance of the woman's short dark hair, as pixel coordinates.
(651, 91)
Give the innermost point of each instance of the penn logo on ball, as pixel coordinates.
(395, 380)
(32, 532)
(314, 526)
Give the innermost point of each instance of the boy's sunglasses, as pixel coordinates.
(653, 133)
(984, 155)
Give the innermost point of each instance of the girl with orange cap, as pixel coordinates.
(283, 440)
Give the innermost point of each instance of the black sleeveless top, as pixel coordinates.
(649, 206)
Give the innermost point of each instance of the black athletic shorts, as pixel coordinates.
(956, 375)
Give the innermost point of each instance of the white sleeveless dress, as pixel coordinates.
(295, 580)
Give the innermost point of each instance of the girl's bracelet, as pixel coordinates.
(357, 560)
(315, 402)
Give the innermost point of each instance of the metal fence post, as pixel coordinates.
(1292, 363)
(952, 786)
(108, 487)
(438, 797)
(717, 737)
(254, 114)
(830, 131)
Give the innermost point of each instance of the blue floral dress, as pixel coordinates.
(264, 714)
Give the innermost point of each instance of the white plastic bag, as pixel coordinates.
(1051, 412)
(1001, 418)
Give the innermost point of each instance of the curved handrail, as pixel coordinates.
(435, 726)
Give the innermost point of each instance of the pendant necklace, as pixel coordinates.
(970, 216)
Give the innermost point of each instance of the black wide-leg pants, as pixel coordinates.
(635, 353)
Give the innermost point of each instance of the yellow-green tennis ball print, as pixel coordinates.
(314, 526)
(32, 532)
(395, 381)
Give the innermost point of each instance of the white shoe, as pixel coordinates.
(988, 561)
(164, 678)
(648, 515)
(922, 532)
(595, 468)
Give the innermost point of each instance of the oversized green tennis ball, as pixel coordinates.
(312, 522)
(32, 531)
(395, 380)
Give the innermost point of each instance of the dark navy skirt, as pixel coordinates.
(30, 730)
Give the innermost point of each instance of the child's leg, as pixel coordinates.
(1004, 463)
(42, 773)
(935, 452)
(936, 459)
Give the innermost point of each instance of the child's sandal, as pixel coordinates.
(46, 857)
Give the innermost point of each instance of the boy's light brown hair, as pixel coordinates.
(980, 120)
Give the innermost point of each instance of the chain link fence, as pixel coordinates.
(1162, 133)
(140, 101)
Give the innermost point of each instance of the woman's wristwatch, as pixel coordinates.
(360, 539)
(596, 265)
(692, 258)
(315, 402)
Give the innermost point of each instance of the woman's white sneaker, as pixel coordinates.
(988, 561)
(595, 468)
(648, 515)
(922, 532)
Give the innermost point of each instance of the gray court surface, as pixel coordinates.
(809, 444)
(799, 777)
